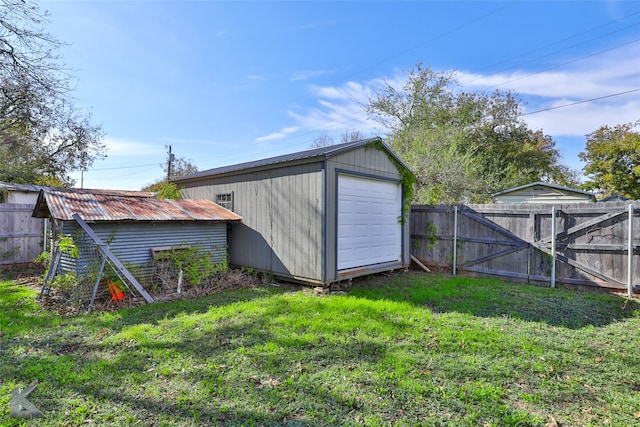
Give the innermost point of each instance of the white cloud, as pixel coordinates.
(350, 91)
(278, 135)
(598, 76)
(339, 108)
(121, 147)
(309, 74)
(581, 119)
(616, 71)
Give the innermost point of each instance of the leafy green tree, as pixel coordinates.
(167, 189)
(612, 159)
(463, 146)
(43, 136)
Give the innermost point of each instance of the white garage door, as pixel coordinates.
(368, 228)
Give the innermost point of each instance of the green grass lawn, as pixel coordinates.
(406, 350)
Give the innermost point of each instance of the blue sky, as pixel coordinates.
(228, 82)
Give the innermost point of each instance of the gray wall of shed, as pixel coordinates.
(282, 216)
(289, 213)
(368, 162)
(131, 242)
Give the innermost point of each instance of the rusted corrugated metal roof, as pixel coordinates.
(106, 205)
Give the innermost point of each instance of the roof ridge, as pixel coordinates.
(328, 150)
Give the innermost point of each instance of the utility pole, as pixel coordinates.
(169, 160)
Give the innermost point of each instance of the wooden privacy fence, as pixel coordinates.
(584, 244)
(21, 238)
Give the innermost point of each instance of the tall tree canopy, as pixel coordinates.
(463, 146)
(612, 159)
(43, 137)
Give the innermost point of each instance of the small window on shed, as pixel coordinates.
(225, 200)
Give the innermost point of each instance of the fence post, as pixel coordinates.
(630, 254)
(553, 247)
(45, 232)
(455, 238)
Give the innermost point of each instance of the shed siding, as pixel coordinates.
(368, 162)
(282, 210)
(289, 212)
(21, 197)
(542, 195)
(132, 242)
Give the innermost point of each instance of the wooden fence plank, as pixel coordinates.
(592, 248)
(493, 256)
(584, 225)
(491, 225)
(21, 235)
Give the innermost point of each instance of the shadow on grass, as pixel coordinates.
(495, 298)
(233, 374)
(160, 311)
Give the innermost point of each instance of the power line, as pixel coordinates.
(121, 167)
(569, 62)
(581, 102)
(346, 121)
(558, 42)
(432, 39)
(394, 56)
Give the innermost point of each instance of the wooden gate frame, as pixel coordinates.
(517, 242)
(545, 245)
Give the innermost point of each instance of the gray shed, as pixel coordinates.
(133, 224)
(317, 216)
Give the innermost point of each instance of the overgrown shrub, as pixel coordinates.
(197, 265)
(65, 284)
(68, 245)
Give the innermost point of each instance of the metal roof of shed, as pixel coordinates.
(321, 152)
(545, 184)
(107, 205)
(25, 188)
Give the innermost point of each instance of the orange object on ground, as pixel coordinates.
(116, 293)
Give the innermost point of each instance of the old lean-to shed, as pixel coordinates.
(317, 216)
(134, 224)
(542, 192)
